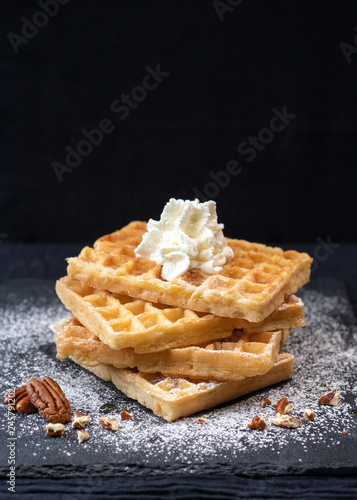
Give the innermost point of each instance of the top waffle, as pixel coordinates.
(251, 286)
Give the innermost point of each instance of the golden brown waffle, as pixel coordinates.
(251, 286)
(172, 398)
(233, 358)
(289, 315)
(121, 321)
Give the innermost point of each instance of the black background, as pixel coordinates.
(225, 78)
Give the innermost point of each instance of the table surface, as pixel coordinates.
(46, 261)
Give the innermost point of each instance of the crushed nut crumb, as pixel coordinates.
(309, 414)
(264, 402)
(344, 432)
(109, 424)
(80, 420)
(283, 406)
(125, 415)
(286, 421)
(330, 398)
(258, 423)
(201, 421)
(54, 429)
(82, 436)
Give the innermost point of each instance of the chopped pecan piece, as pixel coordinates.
(19, 401)
(258, 423)
(330, 398)
(286, 421)
(309, 414)
(49, 399)
(54, 429)
(108, 423)
(201, 421)
(264, 402)
(80, 420)
(344, 432)
(283, 406)
(82, 436)
(125, 415)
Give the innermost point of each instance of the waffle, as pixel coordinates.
(251, 286)
(233, 358)
(172, 398)
(289, 315)
(121, 321)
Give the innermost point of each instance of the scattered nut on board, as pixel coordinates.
(125, 415)
(258, 423)
(54, 429)
(309, 414)
(344, 432)
(109, 424)
(264, 402)
(82, 436)
(80, 420)
(286, 421)
(330, 398)
(201, 420)
(19, 401)
(283, 407)
(49, 399)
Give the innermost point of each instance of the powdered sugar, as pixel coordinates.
(325, 353)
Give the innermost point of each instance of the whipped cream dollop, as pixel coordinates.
(187, 236)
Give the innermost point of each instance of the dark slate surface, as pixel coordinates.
(149, 446)
(185, 487)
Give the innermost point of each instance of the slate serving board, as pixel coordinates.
(325, 354)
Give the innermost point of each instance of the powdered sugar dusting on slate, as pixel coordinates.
(325, 353)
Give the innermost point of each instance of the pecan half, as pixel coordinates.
(330, 398)
(19, 401)
(12, 396)
(49, 399)
(25, 405)
(283, 406)
(258, 423)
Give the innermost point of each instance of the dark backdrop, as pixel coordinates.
(231, 69)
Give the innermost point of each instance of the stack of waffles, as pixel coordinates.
(185, 345)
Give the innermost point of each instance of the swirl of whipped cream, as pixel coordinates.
(187, 236)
